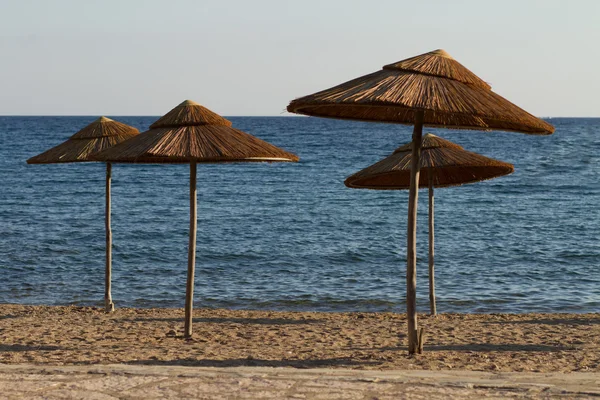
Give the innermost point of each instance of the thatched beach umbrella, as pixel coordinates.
(431, 89)
(97, 136)
(443, 164)
(190, 133)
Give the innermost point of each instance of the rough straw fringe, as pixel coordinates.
(193, 138)
(449, 163)
(97, 136)
(450, 95)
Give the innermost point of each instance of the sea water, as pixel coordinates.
(291, 236)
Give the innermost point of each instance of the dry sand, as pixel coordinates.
(112, 382)
(223, 338)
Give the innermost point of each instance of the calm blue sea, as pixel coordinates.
(292, 236)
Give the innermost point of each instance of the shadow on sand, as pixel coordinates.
(249, 321)
(575, 321)
(20, 347)
(244, 362)
(471, 347)
(486, 347)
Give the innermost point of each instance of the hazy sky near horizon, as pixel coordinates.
(143, 57)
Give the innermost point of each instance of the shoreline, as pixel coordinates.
(72, 335)
(292, 308)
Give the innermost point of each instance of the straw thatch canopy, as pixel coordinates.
(443, 164)
(450, 95)
(99, 135)
(448, 164)
(191, 132)
(431, 89)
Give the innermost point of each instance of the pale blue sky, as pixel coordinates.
(142, 57)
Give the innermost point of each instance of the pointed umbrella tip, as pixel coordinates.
(430, 141)
(189, 103)
(189, 113)
(103, 119)
(441, 53)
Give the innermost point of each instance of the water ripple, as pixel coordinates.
(293, 237)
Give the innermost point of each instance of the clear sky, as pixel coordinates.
(143, 57)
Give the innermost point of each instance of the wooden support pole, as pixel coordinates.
(108, 303)
(421, 341)
(431, 248)
(189, 292)
(411, 237)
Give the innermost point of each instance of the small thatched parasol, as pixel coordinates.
(99, 135)
(444, 164)
(431, 89)
(190, 133)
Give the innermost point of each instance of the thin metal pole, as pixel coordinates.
(189, 293)
(411, 248)
(431, 247)
(108, 303)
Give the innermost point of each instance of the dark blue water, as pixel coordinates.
(292, 236)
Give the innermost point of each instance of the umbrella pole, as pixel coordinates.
(411, 248)
(431, 248)
(108, 303)
(189, 293)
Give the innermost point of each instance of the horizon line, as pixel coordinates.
(288, 115)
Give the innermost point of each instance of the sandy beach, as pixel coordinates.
(134, 382)
(56, 335)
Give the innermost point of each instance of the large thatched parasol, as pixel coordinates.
(192, 134)
(444, 164)
(99, 135)
(431, 89)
